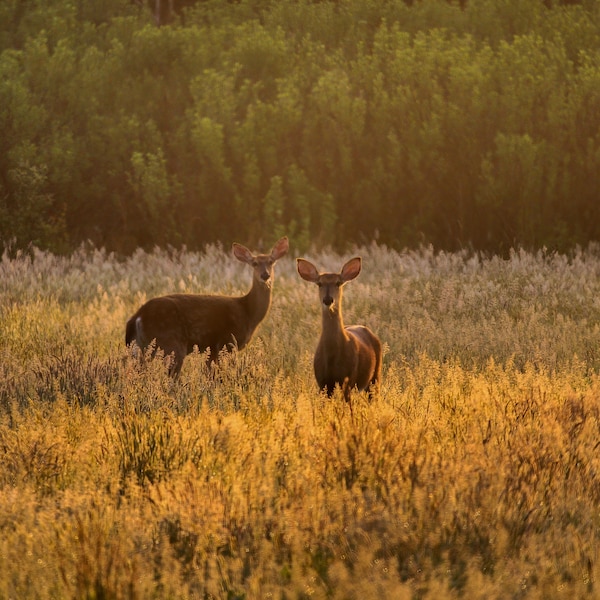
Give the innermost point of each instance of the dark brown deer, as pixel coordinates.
(346, 356)
(179, 322)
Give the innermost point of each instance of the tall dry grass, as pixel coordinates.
(475, 474)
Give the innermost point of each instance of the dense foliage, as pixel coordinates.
(451, 123)
(475, 475)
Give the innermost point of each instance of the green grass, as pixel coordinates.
(475, 474)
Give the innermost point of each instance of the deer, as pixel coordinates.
(346, 356)
(177, 323)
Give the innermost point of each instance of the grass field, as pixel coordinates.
(476, 473)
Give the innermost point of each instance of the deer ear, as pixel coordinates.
(351, 269)
(307, 270)
(280, 248)
(242, 253)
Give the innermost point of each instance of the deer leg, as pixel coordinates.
(373, 388)
(174, 353)
(175, 362)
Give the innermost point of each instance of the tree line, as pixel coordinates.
(334, 122)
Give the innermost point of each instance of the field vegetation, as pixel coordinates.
(476, 473)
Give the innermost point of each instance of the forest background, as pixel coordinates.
(470, 124)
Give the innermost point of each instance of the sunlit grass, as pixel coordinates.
(475, 474)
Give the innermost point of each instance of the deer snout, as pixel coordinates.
(265, 277)
(327, 300)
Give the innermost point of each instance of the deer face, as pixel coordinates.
(329, 284)
(330, 290)
(262, 264)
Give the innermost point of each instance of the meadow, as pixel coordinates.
(475, 474)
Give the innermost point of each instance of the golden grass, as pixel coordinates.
(475, 474)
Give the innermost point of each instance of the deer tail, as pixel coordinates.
(131, 330)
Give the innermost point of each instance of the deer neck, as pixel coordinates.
(333, 334)
(257, 301)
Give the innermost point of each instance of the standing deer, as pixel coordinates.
(347, 356)
(179, 322)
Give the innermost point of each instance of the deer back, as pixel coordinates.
(196, 320)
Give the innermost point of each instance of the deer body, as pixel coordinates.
(346, 356)
(179, 322)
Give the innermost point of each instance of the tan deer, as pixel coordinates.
(179, 322)
(346, 356)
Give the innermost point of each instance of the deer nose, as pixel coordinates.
(265, 276)
(327, 300)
